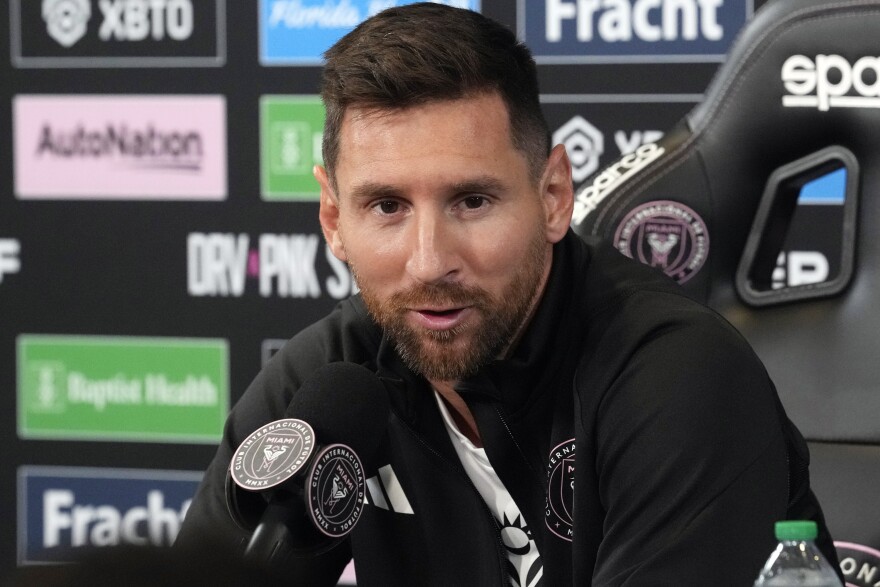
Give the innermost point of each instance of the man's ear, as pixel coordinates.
(328, 213)
(557, 194)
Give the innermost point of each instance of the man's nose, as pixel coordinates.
(433, 254)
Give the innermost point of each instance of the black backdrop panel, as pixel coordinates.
(130, 322)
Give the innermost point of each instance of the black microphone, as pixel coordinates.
(299, 482)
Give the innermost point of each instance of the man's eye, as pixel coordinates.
(388, 207)
(474, 202)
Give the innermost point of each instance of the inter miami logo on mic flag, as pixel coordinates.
(336, 486)
(273, 454)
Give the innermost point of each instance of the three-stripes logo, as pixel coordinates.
(384, 491)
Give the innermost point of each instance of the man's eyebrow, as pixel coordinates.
(371, 190)
(485, 183)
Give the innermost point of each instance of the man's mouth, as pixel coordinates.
(439, 319)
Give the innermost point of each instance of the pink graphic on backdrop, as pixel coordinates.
(138, 147)
(253, 264)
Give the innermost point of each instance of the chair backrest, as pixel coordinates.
(764, 202)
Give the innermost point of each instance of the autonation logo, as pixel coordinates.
(581, 31)
(297, 32)
(64, 510)
(120, 147)
(144, 147)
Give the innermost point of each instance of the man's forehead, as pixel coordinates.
(488, 104)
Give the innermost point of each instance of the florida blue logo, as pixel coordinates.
(560, 490)
(297, 32)
(578, 31)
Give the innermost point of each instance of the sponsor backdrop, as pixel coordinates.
(158, 220)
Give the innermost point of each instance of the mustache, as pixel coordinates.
(440, 294)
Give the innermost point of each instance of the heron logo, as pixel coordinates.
(667, 235)
(336, 490)
(560, 490)
(272, 454)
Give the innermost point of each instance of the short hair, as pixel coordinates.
(421, 53)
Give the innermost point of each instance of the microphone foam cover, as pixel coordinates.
(344, 403)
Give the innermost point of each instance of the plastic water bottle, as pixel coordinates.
(797, 561)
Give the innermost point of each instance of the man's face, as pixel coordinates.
(447, 234)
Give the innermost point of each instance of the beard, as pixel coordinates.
(459, 352)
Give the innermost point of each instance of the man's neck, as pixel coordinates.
(458, 409)
(461, 414)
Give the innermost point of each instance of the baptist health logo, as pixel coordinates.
(122, 388)
(291, 128)
(297, 32)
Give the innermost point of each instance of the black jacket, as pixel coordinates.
(684, 455)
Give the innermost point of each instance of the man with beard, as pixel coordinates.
(560, 415)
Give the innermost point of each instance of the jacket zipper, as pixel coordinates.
(501, 550)
(515, 443)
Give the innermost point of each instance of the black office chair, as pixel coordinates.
(764, 202)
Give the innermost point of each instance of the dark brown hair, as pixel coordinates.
(420, 53)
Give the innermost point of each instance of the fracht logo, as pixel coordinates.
(646, 31)
(63, 510)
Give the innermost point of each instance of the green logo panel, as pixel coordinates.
(291, 128)
(122, 388)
